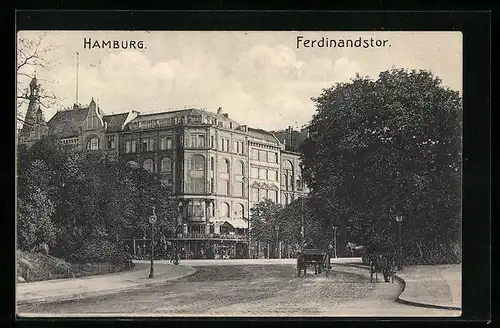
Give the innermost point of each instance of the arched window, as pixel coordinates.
(211, 209)
(93, 143)
(225, 210)
(226, 165)
(288, 175)
(166, 164)
(240, 211)
(240, 168)
(223, 183)
(149, 165)
(133, 164)
(197, 174)
(197, 163)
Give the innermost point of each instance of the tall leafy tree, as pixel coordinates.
(386, 147)
(265, 218)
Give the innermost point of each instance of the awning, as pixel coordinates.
(238, 223)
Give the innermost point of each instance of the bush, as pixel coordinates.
(100, 251)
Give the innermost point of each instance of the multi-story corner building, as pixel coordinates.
(215, 167)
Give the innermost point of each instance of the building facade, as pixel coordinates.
(215, 167)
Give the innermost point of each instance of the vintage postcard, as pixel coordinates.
(239, 173)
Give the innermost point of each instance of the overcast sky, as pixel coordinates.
(258, 78)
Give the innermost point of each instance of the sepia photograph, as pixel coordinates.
(238, 173)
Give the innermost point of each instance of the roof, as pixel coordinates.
(67, 123)
(182, 112)
(115, 121)
(262, 134)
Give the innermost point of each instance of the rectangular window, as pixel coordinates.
(262, 194)
(254, 172)
(169, 142)
(212, 164)
(198, 185)
(262, 156)
(239, 189)
(255, 194)
(271, 175)
(211, 141)
(148, 144)
(254, 154)
(275, 158)
(263, 174)
(111, 142)
(163, 143)
(196, 209)
(201, 141)
(224, 187)
(211, 185)
(130, 146)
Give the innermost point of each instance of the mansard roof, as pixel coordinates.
(263, 135)
(183, 112)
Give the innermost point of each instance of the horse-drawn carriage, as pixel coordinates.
(318, 258)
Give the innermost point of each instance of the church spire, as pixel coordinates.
(34, 114)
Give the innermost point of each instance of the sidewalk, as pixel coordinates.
(65, 289)
(437, 286)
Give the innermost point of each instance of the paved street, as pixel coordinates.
(249, 290)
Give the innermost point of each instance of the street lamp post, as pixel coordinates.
(152, 221)
(399, 220)
(335, 241)
(277, 242)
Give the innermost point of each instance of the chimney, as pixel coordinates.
(219, 110)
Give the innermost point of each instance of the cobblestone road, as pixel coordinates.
(247, 290)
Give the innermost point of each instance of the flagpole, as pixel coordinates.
(77, 54)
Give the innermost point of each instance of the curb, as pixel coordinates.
(419, 304)
(407, 302)
(80, 296)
